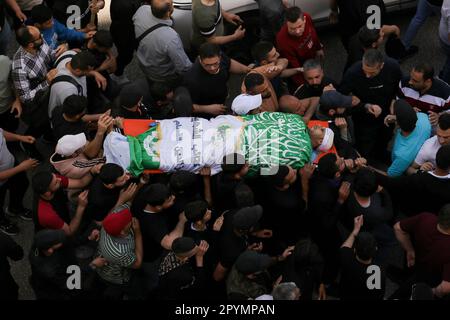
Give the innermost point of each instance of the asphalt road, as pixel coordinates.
(427, 40)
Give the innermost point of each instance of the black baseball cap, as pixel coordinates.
(247, 217)
(251, 261)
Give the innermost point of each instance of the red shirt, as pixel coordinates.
(47, 216)
(432, 247)
(299, 49)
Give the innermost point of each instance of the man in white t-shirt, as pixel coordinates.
(426, 158)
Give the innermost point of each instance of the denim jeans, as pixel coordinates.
(5, 35)
(424, 10)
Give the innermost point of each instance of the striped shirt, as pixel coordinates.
(120, 254)
(437, 99)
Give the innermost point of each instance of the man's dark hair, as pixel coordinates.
(292, 14)
(233, 163)
(373, 57)
(208, 50)
(196, 210)
(24, 36)
(444, 217)
(110, 172)
(306, 254)
(365, 246)
(444, 121)
(365, 183)
(368, 36)
(426, 69)
(252, 80)
(103, 39)
(443, 158)
(280, 175)
(156, 194)
(160, 12)
(159, 91)
(183, 182)
(327, 166)
(74, 105)
(83, 61)
(312, 64)
(244, 196)
(261, 50)
(41, 13)
(41, 181)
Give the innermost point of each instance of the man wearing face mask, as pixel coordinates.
(160, 50)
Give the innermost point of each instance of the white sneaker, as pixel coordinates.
(120, 80)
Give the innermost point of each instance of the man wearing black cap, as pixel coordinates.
(234, 169)
(249, 277)
(414, 129)
(357, 256)
(238, 226)
(129, 104)
(178, 277)
(335, 108)
(49, 259)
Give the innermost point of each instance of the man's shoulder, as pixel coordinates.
(440, 88)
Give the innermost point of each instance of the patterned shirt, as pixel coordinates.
(120, 254)
(29, 71)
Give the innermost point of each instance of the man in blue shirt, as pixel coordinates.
(55, 33)
(413, 130)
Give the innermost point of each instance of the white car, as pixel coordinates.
(318, 9)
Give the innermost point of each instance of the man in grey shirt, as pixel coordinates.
(160, 54)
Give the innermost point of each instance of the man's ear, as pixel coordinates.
(337, 175)
(331, 112)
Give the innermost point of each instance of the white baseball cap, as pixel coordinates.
(69, 144)
(244, 103)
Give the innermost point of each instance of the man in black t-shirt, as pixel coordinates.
(361, 279)
(315, 80)
(67, 119)
(105, 191)
(207, 80)
(375, 82)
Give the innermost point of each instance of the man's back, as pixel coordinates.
(61, 90)
(160, 53)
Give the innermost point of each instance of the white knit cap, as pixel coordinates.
(69, 144)
(244, 103)
(327, 141)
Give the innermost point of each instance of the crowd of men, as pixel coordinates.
(379, 176)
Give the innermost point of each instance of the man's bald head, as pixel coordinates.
(25, 36)
(162, 9)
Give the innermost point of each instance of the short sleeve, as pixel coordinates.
(47, 216)
(409, 225)
(64, 181)
(157, 229)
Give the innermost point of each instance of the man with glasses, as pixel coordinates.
(207, 80)
(32, 74)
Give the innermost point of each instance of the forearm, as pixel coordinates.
(76, 221)
(138, 250)
(93, 148)
(404, 239)
(13, 5)
(9, 136)
(178, 231)
(207, 187)
(221, 40)
(350, 240)
(91, 117)
(6, 174)
(442, 289)
(238, 68)
(287, 73)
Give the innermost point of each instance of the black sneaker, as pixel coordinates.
(24, 214)
(9, 228)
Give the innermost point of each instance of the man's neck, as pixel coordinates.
(199, 226)
(425, 90)
(69, 67)
(31, 51)
(68, 119)
(367, 262)
(151, 209)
